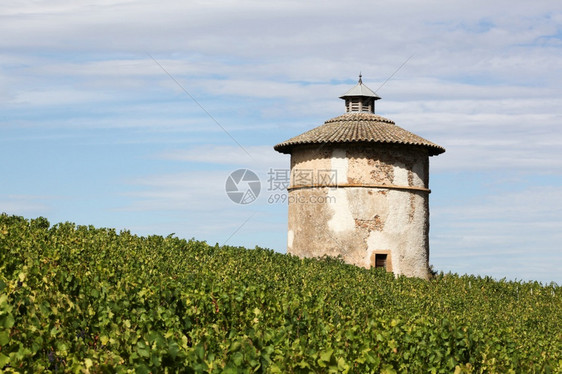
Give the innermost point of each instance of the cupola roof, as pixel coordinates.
(360, 90)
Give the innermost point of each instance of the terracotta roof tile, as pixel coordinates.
(359, 127)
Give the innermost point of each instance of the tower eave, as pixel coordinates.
(359, 128)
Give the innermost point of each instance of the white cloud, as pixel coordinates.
(25, 204)
(509, 234)
(261, 157)
(58, 97)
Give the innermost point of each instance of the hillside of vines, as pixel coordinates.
(82, 299)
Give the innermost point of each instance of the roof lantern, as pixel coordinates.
(360, 99)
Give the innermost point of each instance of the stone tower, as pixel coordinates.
(359, 189)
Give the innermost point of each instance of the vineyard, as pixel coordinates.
(84, 299)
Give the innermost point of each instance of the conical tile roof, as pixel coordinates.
(356, 127)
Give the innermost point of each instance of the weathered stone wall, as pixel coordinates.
(379, 206)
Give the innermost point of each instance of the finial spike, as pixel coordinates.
(360, 80)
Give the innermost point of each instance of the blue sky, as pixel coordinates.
(94, 131)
